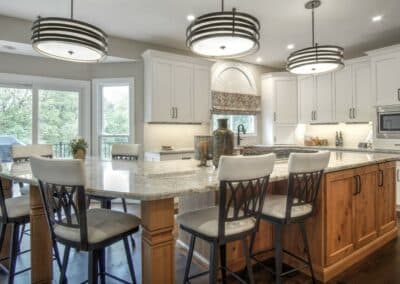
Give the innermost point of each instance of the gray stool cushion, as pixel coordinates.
(102, 224)
(275, 206)
(17, 206)
(205, 221)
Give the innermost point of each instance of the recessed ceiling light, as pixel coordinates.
(190, 17)
(377, 18)
(259, 59)
(290, 46)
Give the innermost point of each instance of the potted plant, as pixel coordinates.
(78, 148)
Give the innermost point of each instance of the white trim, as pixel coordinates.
(40, 82)
(97, 109)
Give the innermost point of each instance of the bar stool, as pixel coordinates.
(242, 189)
(21, 154)
(126, 152)
(14, 212)
(305, 173)
(62, 187)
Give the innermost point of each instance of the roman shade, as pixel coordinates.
(234, 103)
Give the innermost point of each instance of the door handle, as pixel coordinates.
(359, 184)
(172, 112)
(398, 174)
(274, 116)
(350, 113)
(176, 113)
(398, 94)
(354, 112)
(315, 115)
(312, 115)
(380, 183)
(356, 180)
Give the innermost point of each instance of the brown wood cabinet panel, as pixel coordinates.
(386, 197)
(364, 206)
(339, 215)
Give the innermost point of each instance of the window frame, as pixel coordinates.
(255, 134)
(36, 83)
(97, 110)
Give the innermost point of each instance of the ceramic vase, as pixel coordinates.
(223, 141)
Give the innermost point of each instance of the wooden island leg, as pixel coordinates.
(5, 250)
(41, 243)
(158, 244)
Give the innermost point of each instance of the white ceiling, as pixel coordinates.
(342, 22)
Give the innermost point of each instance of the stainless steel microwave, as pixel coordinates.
(388, 122)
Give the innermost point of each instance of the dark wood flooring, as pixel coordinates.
(381, 267)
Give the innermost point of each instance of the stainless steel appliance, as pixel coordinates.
(388, 122)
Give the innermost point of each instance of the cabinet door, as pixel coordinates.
(364, 206)
(183, 92)
(324, 98)
(363, 101)
(386, 197)
(306, 92)
(201, 94)
(285, 97)
(163, 90)
(386, 79)
(340, 187)
(344, 94)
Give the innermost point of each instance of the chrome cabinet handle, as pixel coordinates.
(312, 115)
(398, 94)
(274, 116)
(356, 180)
(350, 113)
(176, 113)
(380, 181)
(354, 112)
(315, 115)
(172, 112)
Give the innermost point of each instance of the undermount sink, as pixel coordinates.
(281, 153)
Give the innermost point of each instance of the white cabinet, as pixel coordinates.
(353, 98)
(201, 94)
(306, 95)
(386, 78)
(324, 100)
(279, 107)
(177, 88)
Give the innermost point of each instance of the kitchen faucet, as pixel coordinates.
(240, 127)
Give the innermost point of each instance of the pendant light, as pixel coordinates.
(317, 58)
(69, 39)
(224, 34)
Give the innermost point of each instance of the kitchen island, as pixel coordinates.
(355, 215)
(349, 224)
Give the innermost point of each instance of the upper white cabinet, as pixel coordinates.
(279, 107)
(306, 95)
(177, 88)
(353, 97)
(385, 69)
(315, 99)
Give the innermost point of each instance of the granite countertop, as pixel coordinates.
(330, 148)
(173, 151)
(144, 180)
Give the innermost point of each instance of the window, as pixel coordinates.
(44, 110)
(248, 121)
(114, 114)
(16, 113)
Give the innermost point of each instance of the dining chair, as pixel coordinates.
(243, 182)
(71, 223)
(296, 206)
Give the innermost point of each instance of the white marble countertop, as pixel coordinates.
(145, 180)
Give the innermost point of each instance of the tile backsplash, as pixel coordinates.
(176, 135)
(352, 133)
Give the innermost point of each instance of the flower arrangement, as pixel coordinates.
(78, 147)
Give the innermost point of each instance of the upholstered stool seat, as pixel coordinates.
(275, 206)
(17, 207)
(205, 222)
(102, 224)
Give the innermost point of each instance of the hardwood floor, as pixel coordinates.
(381, 267)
